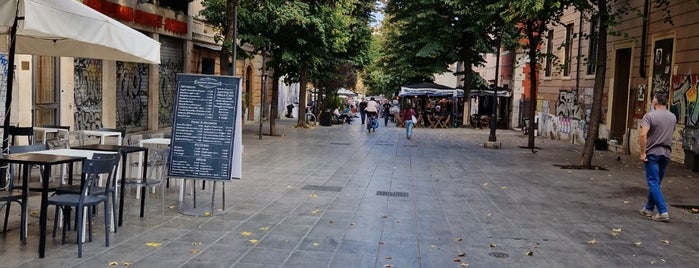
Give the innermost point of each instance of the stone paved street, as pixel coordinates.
(341, 197)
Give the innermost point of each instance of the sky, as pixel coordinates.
(378, 15)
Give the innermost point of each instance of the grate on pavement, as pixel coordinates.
(392, 194)
(322, 188)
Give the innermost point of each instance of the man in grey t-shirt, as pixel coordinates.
(655, 140)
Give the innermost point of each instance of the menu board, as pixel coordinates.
(204, 128)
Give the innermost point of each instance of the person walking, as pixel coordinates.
(386, 112)
(408, 119)
(655, 140)
(362, 113)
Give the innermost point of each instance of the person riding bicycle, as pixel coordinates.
(372, 108)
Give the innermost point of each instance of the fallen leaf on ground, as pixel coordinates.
(626, 202)
(433, 245)
(667, 242)
(593, 241)
(207, 214)
(456, 260)
(462, 254)
(315, 244)
(388, 257)
(388, 265)
(313, 195)
(695, 210)
(490, 214)
(459, 239)
(113, 263)
(530, 253)
(638, 244)
(127, 264)
(485, 184)
(315, 211)
(492, 245)
(171, 206)
(245, 233)
(253, 241)
(194, 251)
(463, 264)
(616, 230)
(504, 187)
(153, 244)
(196, 243)
(331, 222)
(265, 228)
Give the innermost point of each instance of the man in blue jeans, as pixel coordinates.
(655, 140)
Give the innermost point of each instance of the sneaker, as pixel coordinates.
(645, 212)
(664, 217)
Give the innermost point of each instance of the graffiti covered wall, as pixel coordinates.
(132, 96)
(88, 93)
(684, 99)
(168, 88)
(4, 61)
(567, 121)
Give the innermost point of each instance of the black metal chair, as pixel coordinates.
(16, 132)
(92, 170)
(97, 190)
(33, 186)
(9, 195)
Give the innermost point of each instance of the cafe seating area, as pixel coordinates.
(75, 176)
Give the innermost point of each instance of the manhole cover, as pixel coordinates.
(393, 194)
(498, 255)
(578, 167)
(322, 188)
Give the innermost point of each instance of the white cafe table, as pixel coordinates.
(102, 134)
(46, 130)
(88, 154)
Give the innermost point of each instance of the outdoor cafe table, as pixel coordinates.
(124, 151)
(46, 161)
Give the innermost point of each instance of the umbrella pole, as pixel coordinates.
(8, 99)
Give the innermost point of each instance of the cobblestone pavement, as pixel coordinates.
(341, 197)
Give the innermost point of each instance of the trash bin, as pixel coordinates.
(325, 119)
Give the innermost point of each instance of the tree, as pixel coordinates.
(533, 17)
(220, 14)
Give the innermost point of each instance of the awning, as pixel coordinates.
(209, 46)
(71, 29)
(489, 93)
(429, 89)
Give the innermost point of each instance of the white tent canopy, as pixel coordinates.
(430, 89)
(71, 29)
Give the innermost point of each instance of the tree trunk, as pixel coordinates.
(274, 112)
(532, 29)
(302, 96)
(228, 32)
(600, 76)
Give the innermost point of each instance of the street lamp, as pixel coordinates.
(494, 115)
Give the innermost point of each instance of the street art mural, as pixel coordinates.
(4, 61)
(132, 96)
(88, 93)
(662, 61)
(168, 89)
(567, 104)
(684, 99)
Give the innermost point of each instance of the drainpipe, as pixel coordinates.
(644, 37)
(577, 66)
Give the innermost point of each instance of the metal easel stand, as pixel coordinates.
(205, 208)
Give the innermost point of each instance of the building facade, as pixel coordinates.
(93, 93)
(662, 58)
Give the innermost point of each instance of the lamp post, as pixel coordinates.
(263, 88)
(493, 117)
